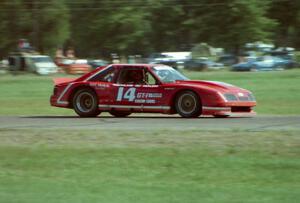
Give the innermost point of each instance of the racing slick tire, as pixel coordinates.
(120, 114)
(188, 104)
(85, 103)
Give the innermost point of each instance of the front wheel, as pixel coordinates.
(85, 103)
(188, 104)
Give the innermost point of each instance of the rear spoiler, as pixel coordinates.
(58, 81)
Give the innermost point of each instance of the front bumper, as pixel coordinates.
(233, 110)
(55, 102)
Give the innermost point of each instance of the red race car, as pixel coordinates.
(122, 89)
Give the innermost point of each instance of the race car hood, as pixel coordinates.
(58, 81)
(220, 86)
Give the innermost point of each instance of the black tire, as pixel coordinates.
(119, 114)
(188, 104)
(253, 69)
(85, 103)
(279, 67)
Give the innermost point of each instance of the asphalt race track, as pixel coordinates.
(151, 122)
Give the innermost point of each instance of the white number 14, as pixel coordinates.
(129, 94)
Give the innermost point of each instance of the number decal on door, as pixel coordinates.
(129, 94)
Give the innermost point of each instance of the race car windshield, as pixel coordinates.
(167, 74)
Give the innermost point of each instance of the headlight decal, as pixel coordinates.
(251, 97)
(230, 97)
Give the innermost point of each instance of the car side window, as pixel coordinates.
(105, 76)
(136, 76)
(132, 76)
(150, 79)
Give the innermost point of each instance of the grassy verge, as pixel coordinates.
(276, 92)
(159, 166)
(153, 166)
(28, 95)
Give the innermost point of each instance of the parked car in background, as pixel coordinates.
(287, 57)
(262, 63)
(3, 66)
(158, 58)
(95, 63)
(31, 62)
(73, 66)
(202, 64)
(174, 59)
(228, 59)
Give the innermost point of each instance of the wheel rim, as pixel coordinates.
(187, 103)
(85, 102)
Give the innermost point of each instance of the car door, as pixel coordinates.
(142, 93)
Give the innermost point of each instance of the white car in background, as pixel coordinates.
(34, 63)
(42, 64)
(173, 59)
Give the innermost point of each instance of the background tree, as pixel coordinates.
(287, 14)
(13, 25)
(44, 24)
(50, 24)
(97, 28)
(167, 31)
(232, 23)
(103, 27)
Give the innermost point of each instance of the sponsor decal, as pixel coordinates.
(144, 101)
(149, 95)
(142, 97)
(134, 85)
(99, 85)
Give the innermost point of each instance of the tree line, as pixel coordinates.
(96, 28)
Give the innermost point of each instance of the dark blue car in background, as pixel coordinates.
(263, 63)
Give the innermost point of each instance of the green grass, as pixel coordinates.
(276, 92)
(159, 166)
(28, 95)
(154, 166)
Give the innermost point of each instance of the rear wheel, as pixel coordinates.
(120, 113)
(188, 104)
(85, 103)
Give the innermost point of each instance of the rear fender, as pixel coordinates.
(58, 81)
